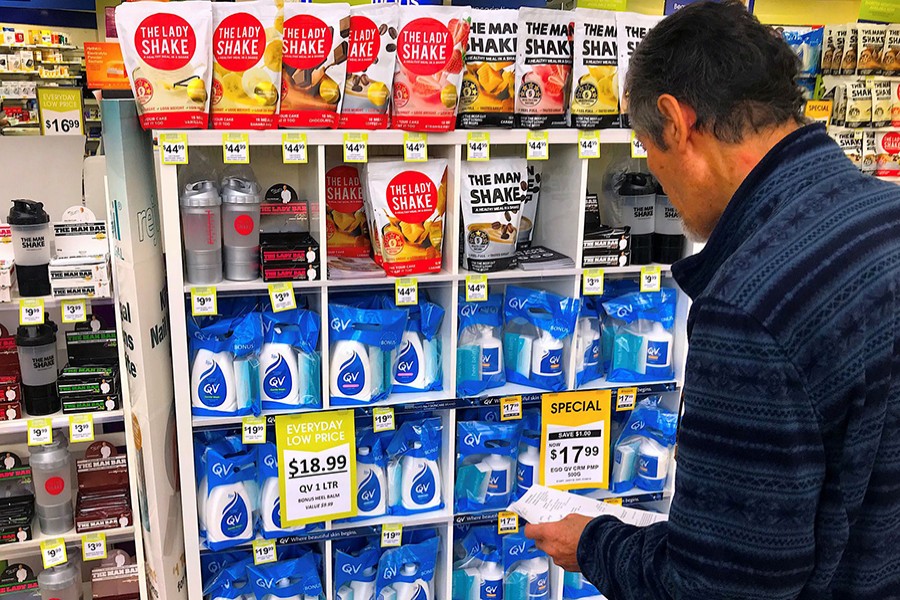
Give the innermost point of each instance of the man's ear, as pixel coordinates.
(678, 120)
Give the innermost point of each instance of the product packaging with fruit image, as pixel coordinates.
(488, 96)
(595, 87)
(543, 67)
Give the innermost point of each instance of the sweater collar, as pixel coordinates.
(750, 207)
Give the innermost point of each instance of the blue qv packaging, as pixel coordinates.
(485, 464)
(269, 505)
(230, 500)
(527, 569)
(371, 473)
(211, 563)
(414, 476)
(356, 571)
(417, 367)
(588, 359)
(538, 326)
(290, 366)
(644, 448)
(231, 582)
(362, 345)
(479, 354)
(288, 579)
(407, 572)
(577, 587)
(225, 365)
(643, 341)
(478, 573)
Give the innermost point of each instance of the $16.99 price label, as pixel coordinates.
(575, 436)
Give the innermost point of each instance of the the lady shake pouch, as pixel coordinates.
(827, 49)
(166, 48)
(631, 28)
(595, 88)
(543, 67)
(429, 67)
(370, 66)
(409, 204)
(489, 81)
(491, 195)
(870, 45)
(530, 205)
(246, 65)
(314, 63)
(346, 227)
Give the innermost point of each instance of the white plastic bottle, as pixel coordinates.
(212, 381)
(499, 469)
(228, 513)
(538, 571)
(420, 481)
(351, 375)
(491, 352)
(526, 468)
(202, 493)
(547, 356)
(364, 589)
(491, 584)
(371, 488)
(589, 330)
(270, 509)
(414, 590)
(653, 464)
(658, 355)
(279, 380)
(410, 367)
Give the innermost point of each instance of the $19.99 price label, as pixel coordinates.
(575, 438)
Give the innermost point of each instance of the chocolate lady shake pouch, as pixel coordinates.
(166, 47)
(345, 217)
(630, 30)
(429, 67)
(543, 67)
(491, 195)
(489, 82)
(314, 61)
(409, 200)
(595, 87)
(370, 66)
(246, 65)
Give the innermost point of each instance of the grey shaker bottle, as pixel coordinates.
(51, 468)
(62, 582)
(201, 227)
(240, 227)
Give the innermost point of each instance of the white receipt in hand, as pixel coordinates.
(541, 504)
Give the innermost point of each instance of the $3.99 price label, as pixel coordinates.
(282, 296)
(81, 428)
(74, 311)
(575, 437)
(317, 455)
(93, 546)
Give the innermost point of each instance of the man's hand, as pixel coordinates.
(560, 539)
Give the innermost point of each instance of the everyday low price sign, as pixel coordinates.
(575, 437)
(317, 456)
(62, 111)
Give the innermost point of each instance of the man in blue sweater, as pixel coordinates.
(788, 481)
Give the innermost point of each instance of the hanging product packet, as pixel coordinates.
(479, 353)
(488, 96)
(166, 49)
(538, 326)
(230, 500)
(230, 582)
(849, 59)
(577, 587)
(491, 195)
(595, 87)
(588, 363)
(355, 572)
(314, 63)
(289, 365)
(644, 338)
(407, 572)
(527, 569)
(362, 343)
(870, 45)
(477, 572)
(827, 49)
(346, 226)
(287, 579)
(840, 41)
(204, 443)
(890, 56)
(371, 478)
(485, 464)
(850, 144)
(543, 67)
(631, 28)
(417, 367)
(246, 65)
(428, 72)
(887, 157)
(644, 447)
(225, 366)
(530, 205)
(414, 475)
(881, 103)
(408, 203)
(806, 43)
(895, 104)
(370, 66)
(612, 289)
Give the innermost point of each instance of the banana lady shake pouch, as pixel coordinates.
(488, 96)
(246, 65)
(595, 88)
(166, 47)
(543, 67)
(314, 63)
(409, 201)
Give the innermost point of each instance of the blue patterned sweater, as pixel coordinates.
(788, 481)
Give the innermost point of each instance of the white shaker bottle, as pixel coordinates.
(201, 226)
(51, 467)
(32, 241)
(240, 227)
(61, 583)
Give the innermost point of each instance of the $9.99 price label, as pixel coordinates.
(317, 478)
(575, 438)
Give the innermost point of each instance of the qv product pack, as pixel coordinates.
(289, 364)
(486, 464)
(407, 572)
(479, 354)
(526, 569)
(414, 474)
(356, 568)
(538, 327)
(371, 473)
(644, 447)
(269, 511)
(588, 359)
(231, 581)
(478, 574)
(230, 498)
(643, 341)
(417, 366)
(296, 579)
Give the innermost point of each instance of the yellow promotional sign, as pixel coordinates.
(62, 111)
(819, 110)
(575, 433)
(317, 459)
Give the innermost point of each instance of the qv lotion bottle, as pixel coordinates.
(410, 366)
(228, 513)
(212, 381)
(279, 381)
(547, 356)
(420, 480)
(371, 493)
(351, 372)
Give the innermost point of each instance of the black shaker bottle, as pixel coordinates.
(37, 361)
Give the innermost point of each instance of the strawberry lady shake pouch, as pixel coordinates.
(370, 66)
(315, 59)
(429, 67)
(166, 47)
(345, 217)
(489, 82)
(543, 67)
(246, 65)
(630, 30)
(595, 87)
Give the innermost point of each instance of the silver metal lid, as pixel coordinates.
(201, 193)
(236, 190)
(52, 455)
(59, 578)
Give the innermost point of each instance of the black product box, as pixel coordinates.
(16, 499)
(591, 212)
(615, 259)
(289, 272)
(87, 347)
(607, 239)
(289, 257)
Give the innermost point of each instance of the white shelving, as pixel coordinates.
(71, 538)
(559, 225)
(59, 420)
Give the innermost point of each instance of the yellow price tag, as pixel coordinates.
(626, 398)
(173, 148)
(204, 301)
(282, 296)
(507, 522)
(406, 291)
(74, 311)
(476, 288)
(478, 146)
(651, 279)
(391, 535)
(588, 144)
(592, 282)
(253, 430)
(510, 408)
(264, 551)
(415, 147)
(383, 419)
(53, 552)
(81, 428)
(93, 546)
(236, 148)
(819, 110)
(31, 311)
(294, 149)
(537, 145)
(40, 432)
(356, 147)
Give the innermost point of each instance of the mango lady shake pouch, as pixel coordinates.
(167, 51)
(314, 63)
(345, 217)
(595, 88)
(429, 67)
(543, 67)
(370, 66)
(489, 81)
(246, 65)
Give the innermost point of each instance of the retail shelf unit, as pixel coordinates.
(560, 225)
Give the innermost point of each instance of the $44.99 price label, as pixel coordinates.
(575, 438)
(173, 148)
(236, 148)
(356, 147)
(406, 291)
(537, 145)
(476, 288)
(478, 146)
(588, 144)
(415, 147)
(294, 149)
(317, 455)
